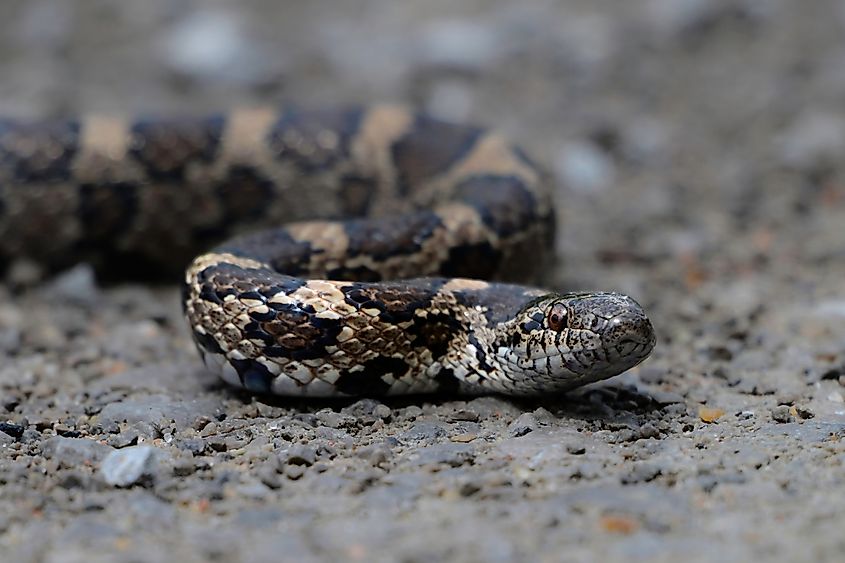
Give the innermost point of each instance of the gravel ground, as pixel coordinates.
(695, 143)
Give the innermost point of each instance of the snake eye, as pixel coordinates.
(557, 317)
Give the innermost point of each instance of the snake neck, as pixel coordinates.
(482, 364)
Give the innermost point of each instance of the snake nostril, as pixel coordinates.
(630, 331)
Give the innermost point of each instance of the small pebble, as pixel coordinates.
(641, 473)
(128, 437)
(184, 467)
(781, 413)
(709, 415)
(13, 430)
(73, 452)
(649, 430)
(122, 468)
(804, 412)
(523, 425)
(382, 411)
(331, 419)
(576, 448)
(423, 432)
(294, 472)
(376, 454)
(299, 454)
(464, 415)
(77, 285)
(452, 455)
(267, 473)
(6, 440)
(412, 412)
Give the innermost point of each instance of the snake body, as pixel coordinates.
(372, 285)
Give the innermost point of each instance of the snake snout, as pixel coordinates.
(629, 332)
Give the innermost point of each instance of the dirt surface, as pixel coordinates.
(698, 148)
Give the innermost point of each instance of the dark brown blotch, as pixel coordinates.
(435, 332)
(499, 301)
(388, 237)
(244, 194)
(478, 261)
(504, 202)
(38, 152)
(106, 211)
(356, 194)
(166, 147)
(396, 302)
(276, 247)
(429, 149)
(314, 140)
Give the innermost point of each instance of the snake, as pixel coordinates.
(353, 251)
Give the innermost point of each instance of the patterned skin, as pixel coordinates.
(331, 303)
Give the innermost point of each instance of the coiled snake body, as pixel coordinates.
(323, 306)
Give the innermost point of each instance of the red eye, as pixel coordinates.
(557, 317)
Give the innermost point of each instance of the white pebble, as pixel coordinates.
(125, 467)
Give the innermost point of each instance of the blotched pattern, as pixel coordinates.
(365, 196)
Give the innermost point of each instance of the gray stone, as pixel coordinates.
(809, 431)
(155, 409)
(77, 285)
(268, 474)
(463, 415)
(126, 438)
(298, 454)
(331, 419)
(194, 445)
(6, 440)
(576, 447)
(523, 425)
(253, 490)
(122, 468)
(423, 432)
(294, 472)
(376, 454)
(382, 411)
(362, 407)
(452, 455)
(781, 414)
(72, 452)
(73, 480)
(642, 472)
(411, 412)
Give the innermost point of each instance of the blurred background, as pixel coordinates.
(697, 149)
(675, 128)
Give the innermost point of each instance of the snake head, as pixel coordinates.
(561, 341)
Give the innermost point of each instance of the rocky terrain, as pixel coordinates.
(698, 149)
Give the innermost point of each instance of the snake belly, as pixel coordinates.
(372, 285)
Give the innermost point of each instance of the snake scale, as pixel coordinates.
(355, 245)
